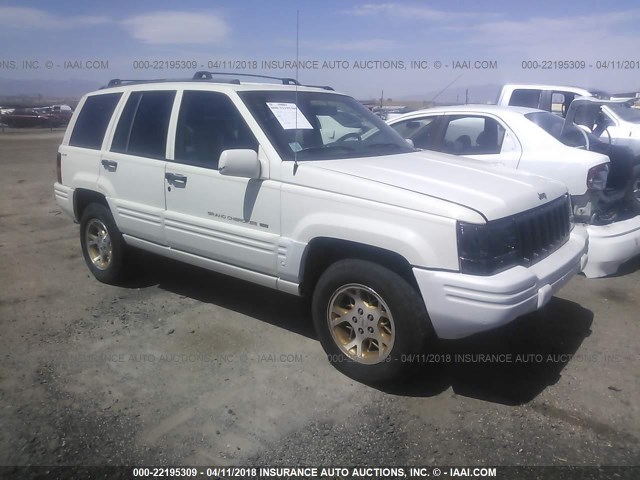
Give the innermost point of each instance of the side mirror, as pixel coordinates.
(410, 142)
(239, 163)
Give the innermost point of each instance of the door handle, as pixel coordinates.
(176, 178)
(110, 165)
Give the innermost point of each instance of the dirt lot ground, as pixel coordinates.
(184, 366)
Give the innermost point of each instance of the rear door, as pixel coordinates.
(133, 168)
(229, 219)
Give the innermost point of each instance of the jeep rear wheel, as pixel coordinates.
(102, 245)
(369, 320)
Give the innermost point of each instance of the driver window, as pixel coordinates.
(208, 124)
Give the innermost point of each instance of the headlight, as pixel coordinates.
(488, 248)
(597, 177)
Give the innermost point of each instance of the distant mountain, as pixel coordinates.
(47, 88)
(477, 94)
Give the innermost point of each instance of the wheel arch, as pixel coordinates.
(321, 252)
(83, 197)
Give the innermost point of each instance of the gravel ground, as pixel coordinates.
(188, 367)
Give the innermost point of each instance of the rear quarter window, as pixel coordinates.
(93, 119)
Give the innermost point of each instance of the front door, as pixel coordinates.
(229, 219)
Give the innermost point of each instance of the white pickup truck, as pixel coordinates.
(396, 246)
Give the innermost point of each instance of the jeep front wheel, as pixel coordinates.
(102, 245)
(369, 320)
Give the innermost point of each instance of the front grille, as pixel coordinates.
(544, 229)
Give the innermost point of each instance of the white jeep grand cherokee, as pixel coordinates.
(276, 184)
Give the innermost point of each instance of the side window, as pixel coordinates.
(421, 131)
(525, 98)
(557, 103)
(560, 102)
(93, 120)
(473, 135)
(143, 125)
(208, 124)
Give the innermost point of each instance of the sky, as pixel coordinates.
(360, 48)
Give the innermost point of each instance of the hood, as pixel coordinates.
(494, 192)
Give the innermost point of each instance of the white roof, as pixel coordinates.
(472, 108)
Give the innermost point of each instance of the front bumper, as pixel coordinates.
(611, 245)
(460, 305)
(64, 199)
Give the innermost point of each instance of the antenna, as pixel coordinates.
(448, 85)
(295, 152)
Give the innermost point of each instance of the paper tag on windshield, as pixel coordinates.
(289, 116)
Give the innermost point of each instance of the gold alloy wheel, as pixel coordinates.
(98, 244)
(361, 324)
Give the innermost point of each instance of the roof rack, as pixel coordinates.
(203, 75)
(323, 87)
(209, 76)
(117, 82)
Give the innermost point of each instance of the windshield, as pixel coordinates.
(321, 126)
(625, 112)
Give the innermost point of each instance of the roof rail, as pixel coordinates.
(323, 87)
(117, 82)
(209, 76)
(203, 75)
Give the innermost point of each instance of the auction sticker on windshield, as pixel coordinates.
(289, 115)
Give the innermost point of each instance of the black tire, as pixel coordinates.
(111, 270)
(411, 325)
(633, 191)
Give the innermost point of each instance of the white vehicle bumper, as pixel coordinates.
(64, 198)
(612, 245)
(460, 305)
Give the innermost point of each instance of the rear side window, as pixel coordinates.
(143, 125)
(93, 119)
(208, 124)
(473, 135)
(525, 98)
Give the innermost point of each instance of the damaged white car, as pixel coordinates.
(615, 122)
(603, 178)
